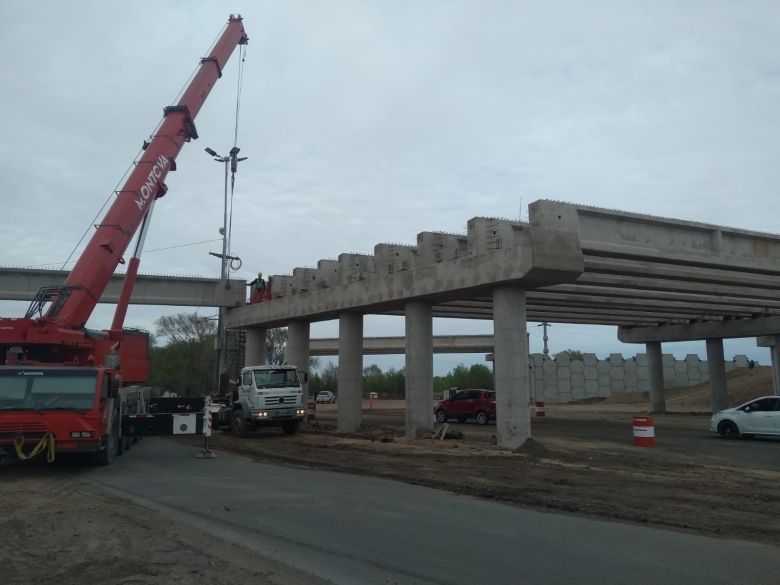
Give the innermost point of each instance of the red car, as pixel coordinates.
(478, 404)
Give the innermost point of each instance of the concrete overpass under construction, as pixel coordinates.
(656, 279)
(22, 284)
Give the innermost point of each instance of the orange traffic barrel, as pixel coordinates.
(539, 408)
(644, 431)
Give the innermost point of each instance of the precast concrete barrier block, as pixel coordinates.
(692, 359)
(617, 386)
(669, 375)
(616, 359)
(564, 372)
(694, 375)
(741, 361)
(564, 397)
(591, 388)
(578, 392)
(589, 359)
(630, 365)
(562, 360)
(577, 380)
(641, 360)
(549, 365)
(590, 372)
(642, 373)
(617, 373)
(577, 366)
(564, 386)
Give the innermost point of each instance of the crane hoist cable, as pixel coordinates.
(235, 264)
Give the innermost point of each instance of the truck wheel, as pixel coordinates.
(238, 424)
(107, 455)
(290, 427)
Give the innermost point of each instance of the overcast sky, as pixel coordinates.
(370, 121)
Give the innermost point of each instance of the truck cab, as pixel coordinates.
(268, 395)
(74, 407)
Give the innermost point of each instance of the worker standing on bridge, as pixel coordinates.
(258, 289)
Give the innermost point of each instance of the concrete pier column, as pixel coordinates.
(350, 390)
(419, 368)
(655, 369)
(716, 367)
(297, 352)
(255, 351)
(775, 353)
(513, 419)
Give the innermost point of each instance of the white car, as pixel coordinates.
(757, 417)
(325, 397)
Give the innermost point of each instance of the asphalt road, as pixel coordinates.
(362, 530)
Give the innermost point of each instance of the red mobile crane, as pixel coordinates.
(59, 381)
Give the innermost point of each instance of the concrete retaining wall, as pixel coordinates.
(564, 380)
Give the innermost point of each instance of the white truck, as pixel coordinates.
(269, 395)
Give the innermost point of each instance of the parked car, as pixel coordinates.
(757, 417)
(464, 404)
(325, 397)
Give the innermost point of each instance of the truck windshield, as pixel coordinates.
(275, 378)
(41, 389)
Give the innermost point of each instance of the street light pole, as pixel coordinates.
(231, 163)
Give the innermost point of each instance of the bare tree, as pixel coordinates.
(275, 345)
(185, 327)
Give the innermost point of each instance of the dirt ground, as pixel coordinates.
(582, 460)
(61, 531)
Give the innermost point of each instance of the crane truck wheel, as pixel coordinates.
(107, 455)
(239, 424)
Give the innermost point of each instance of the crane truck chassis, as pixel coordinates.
(65, 388)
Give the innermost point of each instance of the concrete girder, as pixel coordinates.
(396, 345)
(689, 274)
(539, 300)
(663, 285)
(633, 235)
(617, 313)
(692, 298)
(696, 331)
(22, 284)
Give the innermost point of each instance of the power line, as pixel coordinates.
(145, 252)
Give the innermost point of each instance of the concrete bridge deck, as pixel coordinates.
(657, 279)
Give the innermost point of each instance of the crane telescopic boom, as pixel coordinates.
(92, 273)
(53, 330)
